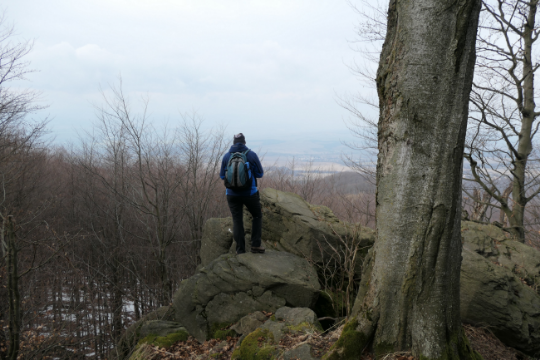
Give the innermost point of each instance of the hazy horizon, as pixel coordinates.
(273, 70)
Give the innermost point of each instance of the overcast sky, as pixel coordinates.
(267, 68)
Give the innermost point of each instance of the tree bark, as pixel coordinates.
(425, 74)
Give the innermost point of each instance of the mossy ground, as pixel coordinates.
(304, 327)
(221, 331)
(164, 341)
(349, 345)
(259, 345)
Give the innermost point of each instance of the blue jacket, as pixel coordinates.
(254, 165)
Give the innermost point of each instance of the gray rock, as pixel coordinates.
(216, 239)
(289, 224)
(302, 352)
(160, 328)
(249, 323)
(296, 316)
(277, 329)
(213, 294)
(493, 296)
(497, 246)
(132, 335)
(228, 308)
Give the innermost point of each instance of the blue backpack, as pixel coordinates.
(237, 174)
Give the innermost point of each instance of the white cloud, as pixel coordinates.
(262, 65)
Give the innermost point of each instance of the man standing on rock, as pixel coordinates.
(240, 169)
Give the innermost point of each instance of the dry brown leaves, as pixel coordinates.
(394, 356)
(319, 344)
(192, 349)
(483, 341)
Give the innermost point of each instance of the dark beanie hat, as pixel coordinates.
(239, 139)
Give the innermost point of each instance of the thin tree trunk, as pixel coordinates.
(411, 289)
(525, 135)
(13, 291)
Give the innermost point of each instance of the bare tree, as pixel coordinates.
(16, 104)
(201, 189)
(20, 145)
(503, 119)
(364, 105)
(166, 180)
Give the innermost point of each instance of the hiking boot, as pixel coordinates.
(258, 250)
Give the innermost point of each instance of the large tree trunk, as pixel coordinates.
(411, 289)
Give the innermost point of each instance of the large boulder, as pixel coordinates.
(500, 285)
(233, 286)
(148, 323)
(498, 247)
(493, 296)
(289, 224)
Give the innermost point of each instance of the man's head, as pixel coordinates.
(239, 139)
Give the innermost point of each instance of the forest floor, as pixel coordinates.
(482, 340)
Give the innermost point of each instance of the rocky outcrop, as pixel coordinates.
(289, 224)
(500, 279)
(232, 286)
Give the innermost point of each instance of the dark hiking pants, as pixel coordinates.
(253, 204)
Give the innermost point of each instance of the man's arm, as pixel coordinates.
(256, 166)
(223, 167)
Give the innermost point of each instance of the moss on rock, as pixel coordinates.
(303, 328)
(223, 334)
(349, 345)
(259, 345)
(132, 335)
(221, 331)
(164, 341)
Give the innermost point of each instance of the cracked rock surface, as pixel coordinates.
(498, 247)
(289, 224)
(233, 286)
(500, 286)
(493, 296)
